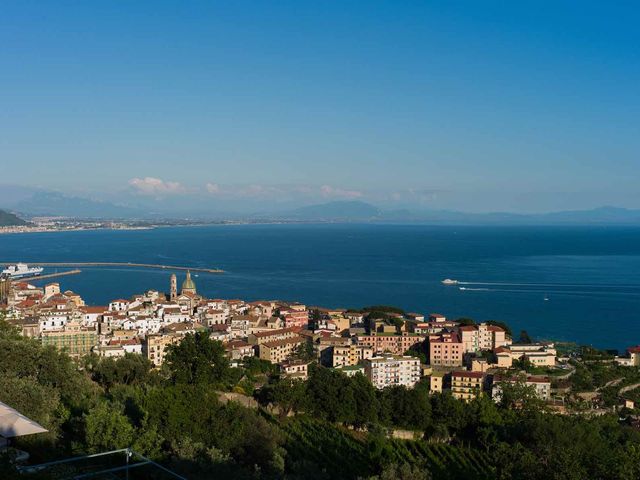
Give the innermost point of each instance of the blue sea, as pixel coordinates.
(590, 276)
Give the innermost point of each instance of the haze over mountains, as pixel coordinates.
(32, 203)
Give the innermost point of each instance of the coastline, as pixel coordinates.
(23, 229)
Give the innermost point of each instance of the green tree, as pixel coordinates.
(128, 370)
(463, 321)
(288, 394)
(524, 337)
(107, 428)
(198, 360)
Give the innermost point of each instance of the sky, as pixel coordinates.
(466, 105)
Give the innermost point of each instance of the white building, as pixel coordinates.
(391, 370)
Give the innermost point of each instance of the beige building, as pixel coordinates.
(349, 355)
(239, 349)
(476, 338)
(436, 382)
(295, 369)
(155, 346)
(538, 354)
(271, 335)
(467, 385)
(278, 351)
(389, 342)
(390, 370)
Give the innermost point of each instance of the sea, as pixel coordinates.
(576, 284)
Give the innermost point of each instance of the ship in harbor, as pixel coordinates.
(448, 281)
(22, 270)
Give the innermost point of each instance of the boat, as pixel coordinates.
(448, 281)
(22, 270)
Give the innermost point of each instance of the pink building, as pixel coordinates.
(396, 344)
(446, 350)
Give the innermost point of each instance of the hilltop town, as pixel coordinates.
(388, 346)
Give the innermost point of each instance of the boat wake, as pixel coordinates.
(559, 285)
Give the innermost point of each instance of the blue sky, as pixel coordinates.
(521, 106)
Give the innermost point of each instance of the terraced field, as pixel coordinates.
(340, 453)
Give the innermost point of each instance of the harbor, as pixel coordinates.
(121, 264)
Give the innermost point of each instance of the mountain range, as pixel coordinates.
(360, 211)
(35, 202)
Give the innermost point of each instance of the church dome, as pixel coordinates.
(188, 285)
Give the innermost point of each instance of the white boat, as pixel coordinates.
(22, 270)
(448, 281)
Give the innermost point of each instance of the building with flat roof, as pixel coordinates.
(389, 342)
(155, 346)
(538, 354)
(349, 355)
(73, 338)
(390, 370)
(467, 385)
(446, 350)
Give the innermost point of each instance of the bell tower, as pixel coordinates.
(174, 287)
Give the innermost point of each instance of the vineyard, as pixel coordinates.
(337, 452)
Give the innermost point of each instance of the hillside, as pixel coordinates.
(10, 220)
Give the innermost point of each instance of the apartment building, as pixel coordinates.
(467, 385)
(446, 350)
(278, 351)
(389, 370)
(73, 338)
(271, 335)
(154, 346)
(388, 342)
(349, 355)
(476, 338)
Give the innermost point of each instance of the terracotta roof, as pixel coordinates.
(274, 333)
(468, 374)
(132, 341)
(286, 341)
(220, 328)
(91, 309)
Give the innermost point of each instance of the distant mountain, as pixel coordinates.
(10, 220)
(596, 215)
(603, 215)
(348, 211)
(59, 205)
(356, 211)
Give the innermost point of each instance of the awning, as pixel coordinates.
(14, 424)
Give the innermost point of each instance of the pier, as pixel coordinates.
(48, 275)
(120, 264)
